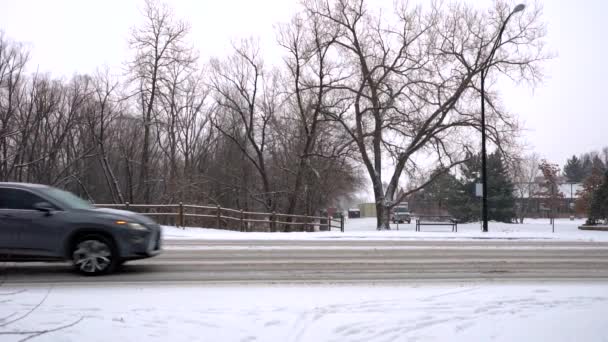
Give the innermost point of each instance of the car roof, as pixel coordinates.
(23, 185)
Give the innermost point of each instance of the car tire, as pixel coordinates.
(94, 255)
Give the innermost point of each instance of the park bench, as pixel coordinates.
(436, 220)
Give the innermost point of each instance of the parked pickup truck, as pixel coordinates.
(401, 214)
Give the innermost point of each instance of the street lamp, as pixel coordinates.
(484, 73)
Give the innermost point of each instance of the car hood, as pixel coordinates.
(127, 215)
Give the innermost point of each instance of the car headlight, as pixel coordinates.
(132, 225)
(137, 226)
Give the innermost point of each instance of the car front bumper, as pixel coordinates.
(143, 244)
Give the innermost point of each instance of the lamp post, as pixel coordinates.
(484, 73)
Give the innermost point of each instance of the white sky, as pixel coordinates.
(564, 116)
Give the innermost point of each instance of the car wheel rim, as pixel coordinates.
(92, 256)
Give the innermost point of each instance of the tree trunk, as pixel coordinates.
(383, 216)
(293, 197)
(382, 210)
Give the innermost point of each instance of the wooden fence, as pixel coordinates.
(183, 215)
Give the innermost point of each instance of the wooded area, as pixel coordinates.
(359, 92)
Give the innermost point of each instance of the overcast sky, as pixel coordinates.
(566, 115)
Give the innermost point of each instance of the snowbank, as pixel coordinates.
(364, 228)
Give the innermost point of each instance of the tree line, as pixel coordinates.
(590, 169)
(514, 181)
(359, 92)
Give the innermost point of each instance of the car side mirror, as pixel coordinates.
(44, 206)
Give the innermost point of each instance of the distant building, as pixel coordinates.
(527, 196)
(367, 209)
(538, 206)
(354, 213)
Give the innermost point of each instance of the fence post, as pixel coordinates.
(218, 213)
(342, 222)
(329, 222)
(273, 222)
(242, 221)
(126, 205)
(181, 215)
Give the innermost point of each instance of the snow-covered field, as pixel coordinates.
(454, 312)
(365, 228)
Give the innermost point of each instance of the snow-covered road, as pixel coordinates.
(456, 312)
(352, 261)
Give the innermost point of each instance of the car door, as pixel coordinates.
(30, 232)
(9, 228)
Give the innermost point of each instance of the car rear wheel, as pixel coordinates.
(94, 255)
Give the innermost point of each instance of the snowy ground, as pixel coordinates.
(412, 311)
(456, 312)
(364, 228)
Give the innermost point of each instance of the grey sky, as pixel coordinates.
(566, 115)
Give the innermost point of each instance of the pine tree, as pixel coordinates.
(501, 191)
(597, 163)
(573, 170)
(467, 207)
(586, 160)
(599, 203)
(591, 185)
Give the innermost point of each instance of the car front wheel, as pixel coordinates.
(94, 255)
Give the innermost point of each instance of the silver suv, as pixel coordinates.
(42, 223)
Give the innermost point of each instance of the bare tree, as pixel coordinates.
(311, 74)
(13, 58)
(173, 101)
(412, 84)
(524, 173)
(549, 190)
(246, 99)
(158, 46)
(105, 89)
(195, 138)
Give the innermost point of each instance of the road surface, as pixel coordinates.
(365, 261)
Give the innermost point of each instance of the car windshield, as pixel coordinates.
(68, 199)
(400, 209)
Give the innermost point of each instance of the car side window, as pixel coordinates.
(18, 199)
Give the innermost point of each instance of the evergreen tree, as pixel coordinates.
(599, 202)
(469, 207)
(597, 163)
(447, 193)
(587, 165)
(573, 170)
(441, 189)
(462, 203)
(501, 192)
(591, 185)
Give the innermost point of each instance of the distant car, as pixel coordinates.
(401, 214)
(42, 223)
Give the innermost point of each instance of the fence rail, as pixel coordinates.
(217, 217)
